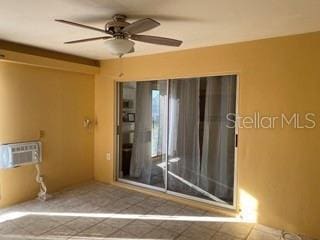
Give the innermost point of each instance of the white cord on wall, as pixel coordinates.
(42, 195)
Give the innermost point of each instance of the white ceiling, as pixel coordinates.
(197, 22)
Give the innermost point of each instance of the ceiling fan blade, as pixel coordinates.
(80, 25)
(157, 40)
(141, 25)
(87, 40)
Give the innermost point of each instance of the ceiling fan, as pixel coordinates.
(122, 32)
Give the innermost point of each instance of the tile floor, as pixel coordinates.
(99, 211)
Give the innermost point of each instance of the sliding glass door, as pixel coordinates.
(142, 132)
(175, 135)
(200, 145)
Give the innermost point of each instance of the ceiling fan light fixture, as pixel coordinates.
(119, 46)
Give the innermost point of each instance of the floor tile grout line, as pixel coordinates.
(218, 230)
(120, 229)
(57, 227)
(87, 228)
(248, 235)
(135, 234)
(203, 226)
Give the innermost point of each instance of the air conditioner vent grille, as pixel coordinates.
(22, 157)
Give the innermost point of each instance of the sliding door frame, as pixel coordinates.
(165, 189)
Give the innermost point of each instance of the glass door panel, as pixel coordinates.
(142, 138)
(200, 143)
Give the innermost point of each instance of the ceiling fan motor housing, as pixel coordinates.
(118, 23)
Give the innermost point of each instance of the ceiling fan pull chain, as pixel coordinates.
(120, 67)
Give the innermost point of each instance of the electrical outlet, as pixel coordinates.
(41, 133)
(108, 156)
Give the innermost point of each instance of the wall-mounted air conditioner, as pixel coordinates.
(19, 154)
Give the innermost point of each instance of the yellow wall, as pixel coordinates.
(278, 169)
(33, 99)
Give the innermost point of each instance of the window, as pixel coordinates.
(155, 123)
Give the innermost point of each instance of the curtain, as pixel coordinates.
(217, 162)
(183, 148)
(141, 161)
